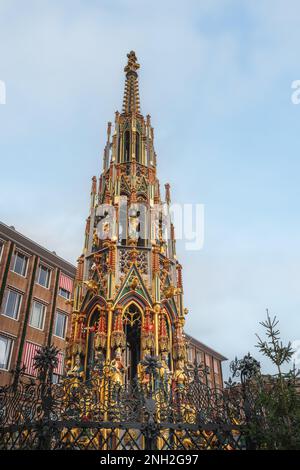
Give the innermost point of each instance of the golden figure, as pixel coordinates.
(134, 283)
(165, 373)
(91, 285)
(171, 291)
(76, 373)
(143, 377)
(180, 376)
(117, 370)
(95, 241)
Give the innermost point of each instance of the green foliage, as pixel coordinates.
(273, 414)
(273, 347)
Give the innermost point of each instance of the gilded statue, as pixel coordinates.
(143, 377)
(76, 373)
(117, 370)
(180, 377)
(165, 373)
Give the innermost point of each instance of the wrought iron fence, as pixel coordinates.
(107, 415)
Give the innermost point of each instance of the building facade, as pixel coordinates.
(128, 296)
(35, 286)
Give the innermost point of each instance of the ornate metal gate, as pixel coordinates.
(103, 415)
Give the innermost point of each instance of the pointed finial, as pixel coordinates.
(94, 185)
(132, 64)
(167, 196)
(131, 100)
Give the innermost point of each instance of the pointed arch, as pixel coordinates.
(171, 331)
(132, 319)
(133, 303)
(119, 147)
(133, 297)
(126, 152)
(92, 314)
(90, 304)
(138, 147)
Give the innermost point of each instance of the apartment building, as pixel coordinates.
(35, 287)
(199, 353)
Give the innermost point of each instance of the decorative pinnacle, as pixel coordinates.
(132, 64)
(131, 100)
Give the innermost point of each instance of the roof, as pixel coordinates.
(51, 257)
(205, 348)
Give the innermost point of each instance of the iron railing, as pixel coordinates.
(106, 415)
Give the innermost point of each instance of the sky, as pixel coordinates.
(216, 79)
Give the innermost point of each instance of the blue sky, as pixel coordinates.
(216, 78)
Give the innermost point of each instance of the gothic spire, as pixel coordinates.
(131, 101)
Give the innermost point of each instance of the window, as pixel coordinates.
(1, 248)
(199, 357)
(5, 351)
(137, 147)
(12, 304)
(43, 277)
(20, 264)
(37, 315)
(29, 353)
(207, 362)
(64, 293)
(123, 219)
(65, 286)
(60, 324)
(216, 367)
(126, 146)
(217, 380)
(190, 355)
(55, 378)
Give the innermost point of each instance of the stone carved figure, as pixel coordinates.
(134, 225)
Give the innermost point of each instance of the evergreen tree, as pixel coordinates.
(272, 402)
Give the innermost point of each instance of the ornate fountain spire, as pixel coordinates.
(131, 101)
(128, 296)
